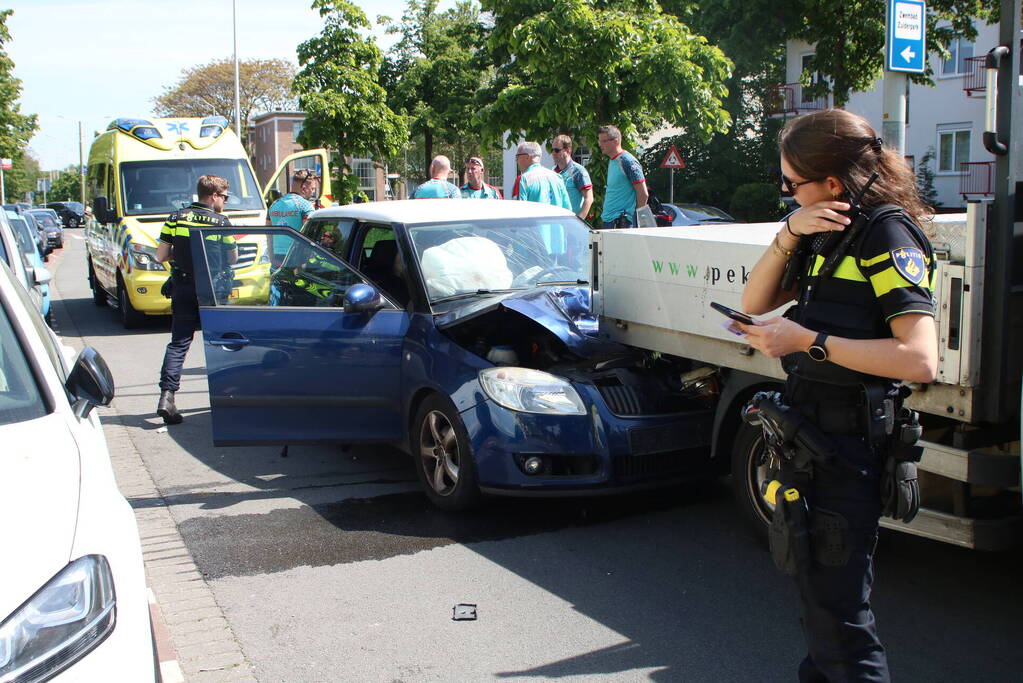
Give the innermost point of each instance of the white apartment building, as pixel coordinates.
(948, 118)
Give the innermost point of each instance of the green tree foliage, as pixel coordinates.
(572, 65)
(925, 179)
(756, 203)
(338, 88)
(21, 179)
(433, 72)
(16, 129)
(849, 36)
(208, 89)
(66, 186)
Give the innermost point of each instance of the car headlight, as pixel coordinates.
(65, 619)
(531, 391)
(144, 258)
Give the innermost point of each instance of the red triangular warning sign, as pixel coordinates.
(673, 159)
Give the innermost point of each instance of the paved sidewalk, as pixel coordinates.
(193, 639)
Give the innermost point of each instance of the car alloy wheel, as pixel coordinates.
(443, 457)
(438, 448)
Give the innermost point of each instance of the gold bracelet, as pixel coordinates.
(782, 251)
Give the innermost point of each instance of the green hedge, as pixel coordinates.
(756, 203)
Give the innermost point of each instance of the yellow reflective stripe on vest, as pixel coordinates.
(847, 269)
(889, 279)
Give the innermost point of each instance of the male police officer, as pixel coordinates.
(174, 244)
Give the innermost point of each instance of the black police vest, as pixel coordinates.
(843, 307)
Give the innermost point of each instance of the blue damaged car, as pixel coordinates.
(459, 331)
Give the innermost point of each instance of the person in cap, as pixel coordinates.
(475, 186)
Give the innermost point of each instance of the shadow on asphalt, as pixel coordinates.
(673, 571)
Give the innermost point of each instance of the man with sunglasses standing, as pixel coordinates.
(575, 175)
(536, 183)
(175, 247)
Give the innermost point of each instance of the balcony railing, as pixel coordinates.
(790, 98)
(977, 178)
(975, 77)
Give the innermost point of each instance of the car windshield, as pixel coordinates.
(44, 218)
(167, 185)
(487, 256)
(20, 398)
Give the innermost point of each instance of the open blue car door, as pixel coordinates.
(286, 363)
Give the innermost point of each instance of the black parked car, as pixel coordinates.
(72, 213)
(50, 222)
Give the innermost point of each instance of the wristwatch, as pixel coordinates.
(817, 350)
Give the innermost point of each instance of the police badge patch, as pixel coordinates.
(910, 264)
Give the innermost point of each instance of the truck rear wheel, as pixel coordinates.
(750, 464)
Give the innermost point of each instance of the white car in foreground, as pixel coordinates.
(73, 598)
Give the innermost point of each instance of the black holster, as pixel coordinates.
(789, 534)
(900, 490)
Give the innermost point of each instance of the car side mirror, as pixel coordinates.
(101, 210)
(362, 298)
(90, 382)
(39, 276)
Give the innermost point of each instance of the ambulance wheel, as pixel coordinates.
(444, 461)
(99, 295)
(750, 464)
(130, 317)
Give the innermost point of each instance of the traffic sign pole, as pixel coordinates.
(671, 188)
(905, 52)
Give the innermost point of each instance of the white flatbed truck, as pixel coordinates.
(652, 290)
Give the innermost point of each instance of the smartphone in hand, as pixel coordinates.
(735, 315)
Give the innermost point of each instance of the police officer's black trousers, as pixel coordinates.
(841, 636)
(184, 321)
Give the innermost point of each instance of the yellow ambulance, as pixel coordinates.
(141, 170)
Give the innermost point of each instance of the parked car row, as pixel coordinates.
(19, 251)
(74, 606)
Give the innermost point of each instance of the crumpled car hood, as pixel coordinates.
(564, 311)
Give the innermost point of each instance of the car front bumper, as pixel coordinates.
(584, 454)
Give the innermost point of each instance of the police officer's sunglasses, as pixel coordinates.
(792, 186)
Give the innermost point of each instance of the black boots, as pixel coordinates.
(167, 410)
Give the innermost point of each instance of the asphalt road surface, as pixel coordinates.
(331, 566)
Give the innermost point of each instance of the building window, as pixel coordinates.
(366, 172)
(296, 128)
(953, 150)
(815, 78)
(959, 51)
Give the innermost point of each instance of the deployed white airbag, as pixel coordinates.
(464, 264)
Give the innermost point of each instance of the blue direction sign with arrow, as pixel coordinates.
(907, 29)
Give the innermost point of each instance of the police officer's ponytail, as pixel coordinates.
(834, 142)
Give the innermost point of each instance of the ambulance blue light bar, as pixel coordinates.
(139, 128)
(213, 126)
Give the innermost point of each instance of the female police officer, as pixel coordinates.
(856, 332)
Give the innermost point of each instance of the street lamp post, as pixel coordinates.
(237, 94)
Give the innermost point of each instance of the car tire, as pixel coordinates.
(99, 295)
(130, 316)
(443, 457)
(60, 243)
(749, 469)
(72, 222)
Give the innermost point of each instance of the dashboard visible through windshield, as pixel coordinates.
(501, 254)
